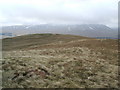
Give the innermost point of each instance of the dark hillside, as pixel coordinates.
(25, 41)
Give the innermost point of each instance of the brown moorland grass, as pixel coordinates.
(22, 42)
(59, 61)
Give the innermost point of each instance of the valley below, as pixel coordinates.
(59, 61)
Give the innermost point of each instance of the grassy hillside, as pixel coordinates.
(55, 60)
(23, 42)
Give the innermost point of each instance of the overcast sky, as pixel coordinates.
(19, 12)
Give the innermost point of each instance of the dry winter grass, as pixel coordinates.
(62, 63)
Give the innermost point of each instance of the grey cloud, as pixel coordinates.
(59, 13)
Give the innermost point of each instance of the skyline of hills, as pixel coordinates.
(87, 30)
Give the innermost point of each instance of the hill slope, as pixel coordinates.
(59, 61)
(25, 41)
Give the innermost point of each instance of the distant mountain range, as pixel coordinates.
(88, 30)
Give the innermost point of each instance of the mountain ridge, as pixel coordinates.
(87, 30)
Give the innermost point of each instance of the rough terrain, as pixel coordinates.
(59, 61)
